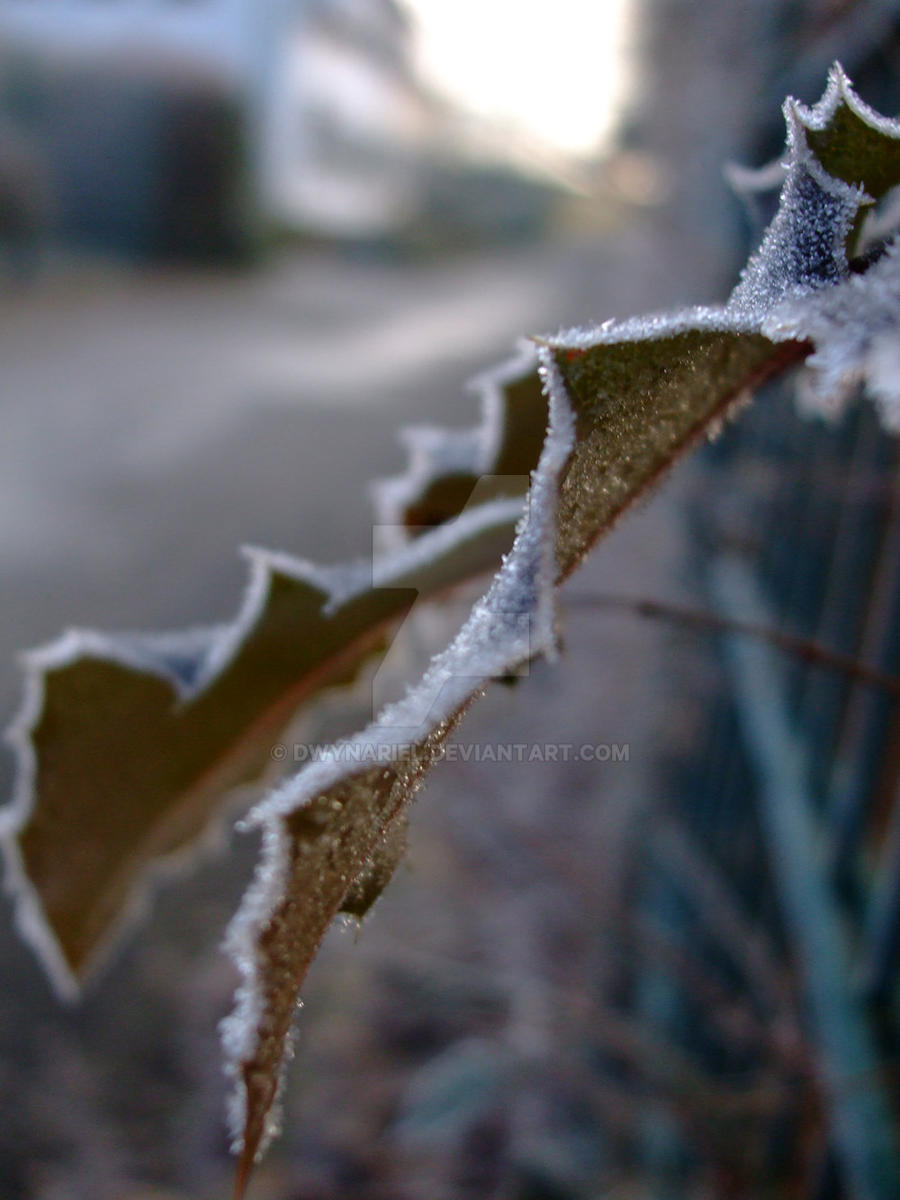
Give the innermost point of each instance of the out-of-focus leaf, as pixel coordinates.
(126, 744)
(856, 330)
(450, 469)
(849, 139)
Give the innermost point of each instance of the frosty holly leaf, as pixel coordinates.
(856, 330)
(849, 140)
(624, 401)
(451, 469)
(127, 743)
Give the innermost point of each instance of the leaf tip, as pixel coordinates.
(242, 1175)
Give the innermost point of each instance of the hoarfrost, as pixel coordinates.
(436, 453)
(185, 670)
(856, 331)
(804, 247)
(701, 364)
(511, 624)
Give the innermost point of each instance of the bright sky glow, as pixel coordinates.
(556, 70)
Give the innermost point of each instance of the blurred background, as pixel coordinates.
(241, 244)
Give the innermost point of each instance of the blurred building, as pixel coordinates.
(160, 127)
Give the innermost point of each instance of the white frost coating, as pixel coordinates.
(490, 385)
(29, 914)
(74, 644)
(342, 583)
(855, 325)
(189, 661)
(881, 223)
(136, 652)
(840, 91)
(239, 1030)
(434, 451)
(757, 188)
(804, 247)
(748, 182)
(656, 327)
(512, 623)
(388, 570)
(802, 252)
(264, 566)
(855, 328)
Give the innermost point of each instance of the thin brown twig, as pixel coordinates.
(709, 622)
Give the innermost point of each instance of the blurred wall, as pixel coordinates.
(151, 128)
